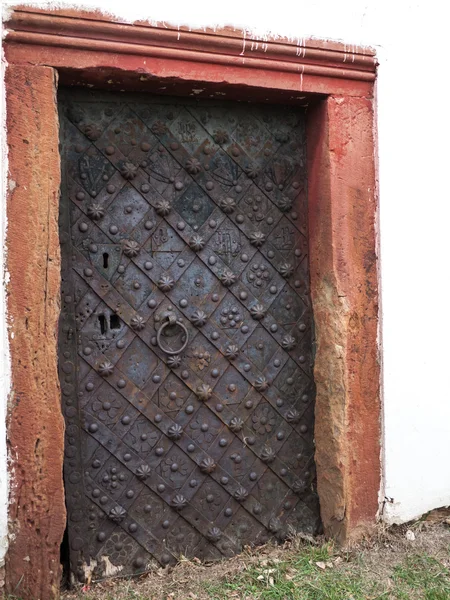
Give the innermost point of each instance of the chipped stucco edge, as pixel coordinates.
(5, 359)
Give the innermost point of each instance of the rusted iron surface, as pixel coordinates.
(186, 329)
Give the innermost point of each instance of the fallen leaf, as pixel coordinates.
(271, 581)
(290, 574)
(321, 565)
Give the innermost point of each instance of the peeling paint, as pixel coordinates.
(108, 569)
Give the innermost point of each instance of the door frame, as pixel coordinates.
(338, 85)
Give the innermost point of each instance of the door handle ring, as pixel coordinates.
(161, 329)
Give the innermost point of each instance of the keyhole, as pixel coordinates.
(114, 322)
(105, 260)
(102, 322)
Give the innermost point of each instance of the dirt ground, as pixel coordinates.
(378, 568)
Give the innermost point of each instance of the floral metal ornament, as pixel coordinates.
(286, 270)
(281, 136)
(258, 311)
(197, 242)
(261, 384)
(75, 114)
(214, 534)
(227, 278)
(95, 212)
(240, 494)
(106, 411)
(259, 276)
(236, 424)
(284, 204)
(131, 248)
(199, 318)
(257, 238)
(275, 525)
(173, 467)
(119, 546)
(263, 419)
(179, 502)
(228, 205)
(165, 283)
(163, 208)
(268, 454)
(140, 438)
(203, 392)
(300, 486)
(221, 137)
(260, 207)
(128, 170)
(92, 131)
(232, 351)
(193, 166)
(143, 472)
(105, 368)
(207, 465)
(175, 432)
(292, 416)
(137, 323)
(117, 514)
(174, 361)
(201, 434)
(288, 342)
(252, 171)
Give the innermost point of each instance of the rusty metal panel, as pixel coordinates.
(186, 332)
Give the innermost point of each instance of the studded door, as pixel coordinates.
(186, 330)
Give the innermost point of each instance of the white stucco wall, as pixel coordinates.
(413, 128)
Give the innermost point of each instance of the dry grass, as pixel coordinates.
(390, 566)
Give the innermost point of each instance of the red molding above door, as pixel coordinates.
(89, 33)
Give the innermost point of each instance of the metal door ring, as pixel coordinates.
(161, 329)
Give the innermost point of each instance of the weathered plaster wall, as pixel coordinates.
(414, 217)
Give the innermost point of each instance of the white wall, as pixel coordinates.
(414, 126)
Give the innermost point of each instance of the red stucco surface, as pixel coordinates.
(344, 290)
(35, 422)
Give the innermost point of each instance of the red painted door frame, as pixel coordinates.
(91, 50)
